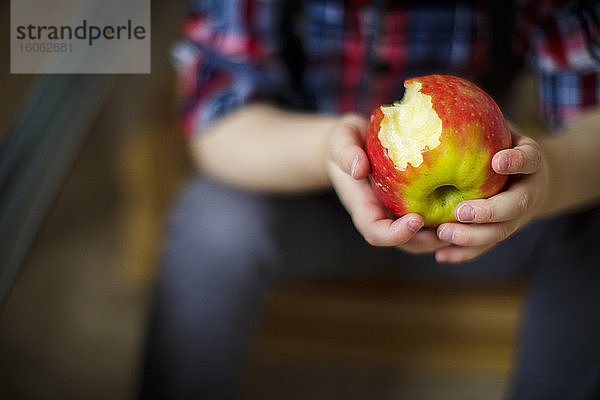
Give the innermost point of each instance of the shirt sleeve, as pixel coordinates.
(562, 40)
(229, 55)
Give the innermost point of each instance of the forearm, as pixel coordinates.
(260, 147)
(573, 162)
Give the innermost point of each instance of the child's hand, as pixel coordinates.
(487, 222)
(348, 168)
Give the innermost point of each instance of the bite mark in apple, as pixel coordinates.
(410, 127)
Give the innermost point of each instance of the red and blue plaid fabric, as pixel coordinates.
(336, 56)
(563, 43)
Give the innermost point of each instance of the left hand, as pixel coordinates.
(483, 223)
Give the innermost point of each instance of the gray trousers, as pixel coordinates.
(225, 248)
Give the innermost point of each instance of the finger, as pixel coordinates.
(424, 241)
(475, 235)
(346, 143)
(369, 216)
(503, 206)
(385, 231)
(456, 254)
(524, 158)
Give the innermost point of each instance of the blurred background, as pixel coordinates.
(73, 323)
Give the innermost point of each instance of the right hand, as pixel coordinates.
(348, 168)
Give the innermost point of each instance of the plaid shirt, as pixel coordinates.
(335, 56)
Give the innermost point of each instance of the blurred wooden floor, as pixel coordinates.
(442, 327)
(432, 341)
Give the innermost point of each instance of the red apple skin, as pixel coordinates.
(472, 126)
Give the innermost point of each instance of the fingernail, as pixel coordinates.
(446, 234)
(466, 213)
(504, 163)
(354, 166)
(414, 225)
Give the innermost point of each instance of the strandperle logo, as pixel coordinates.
(80, 36)
(85, 31)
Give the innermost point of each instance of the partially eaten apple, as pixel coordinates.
(434, 148)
